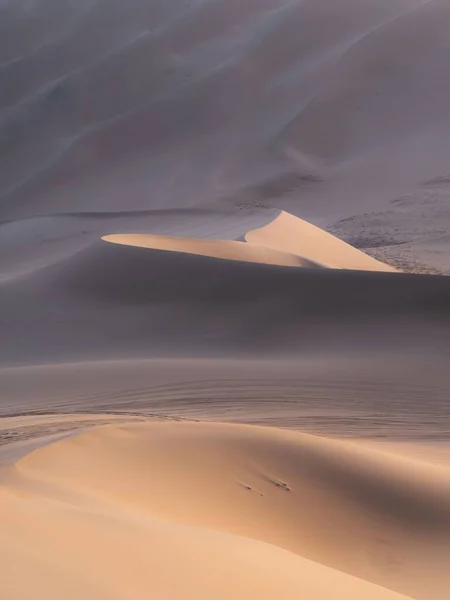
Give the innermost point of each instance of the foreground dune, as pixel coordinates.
(77, 553)
(208, 510)
(285, 241)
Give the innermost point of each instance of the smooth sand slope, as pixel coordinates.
(206, 510)
(223, 249)
(115, 301)
(288, 233)
(333, 110)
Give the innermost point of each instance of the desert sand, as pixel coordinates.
(224, 301)
(203, 510)
(285, 241)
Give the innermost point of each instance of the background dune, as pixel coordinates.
(164, 166)
(285, 241)
(110, 300)
(290, 234)
(332, 111)
(223, 249)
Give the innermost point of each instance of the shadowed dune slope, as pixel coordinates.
(386, 91)
(115, 300)
(27, 245)
(334, 110)
(214, 96)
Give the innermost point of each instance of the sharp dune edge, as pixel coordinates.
(223, 249)
(224, 309)
(286, 241)
(290, 234)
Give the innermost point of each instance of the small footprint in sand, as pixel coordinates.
(282, 485)
(250, 489)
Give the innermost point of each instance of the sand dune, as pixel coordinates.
(360, 82)
(290, 234)
(116, 301)
(217, 224)
(226, 250)
(354, 115)
(236, 496)
(285, 241)
(27, 245)
(191, 563)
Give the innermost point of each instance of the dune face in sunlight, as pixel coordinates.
(286, 241)
(215, 501)
(224, 301)
(223, 249)
(290, 234)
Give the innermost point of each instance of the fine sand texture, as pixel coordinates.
(230, 509)
(224, 301)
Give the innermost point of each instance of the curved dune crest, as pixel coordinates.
(287, 233)
(285, 241)
(188, 486)
(223, 249)
(204, 510)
